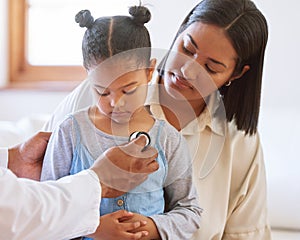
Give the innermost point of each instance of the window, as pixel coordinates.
(45, 41)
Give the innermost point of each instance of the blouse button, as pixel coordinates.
(120, 202)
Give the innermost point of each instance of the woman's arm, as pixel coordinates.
(247, 211)
(182, 212)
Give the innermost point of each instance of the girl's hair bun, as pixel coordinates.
(140, 14)
(84, 18)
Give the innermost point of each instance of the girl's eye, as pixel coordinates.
(101, 93)
(129, 91)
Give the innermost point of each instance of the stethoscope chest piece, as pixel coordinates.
(137, 134)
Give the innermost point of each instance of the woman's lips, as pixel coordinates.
(181, 82)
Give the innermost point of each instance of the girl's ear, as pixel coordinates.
(244, 70)
(151, 69)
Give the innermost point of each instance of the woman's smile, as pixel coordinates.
(180, 82)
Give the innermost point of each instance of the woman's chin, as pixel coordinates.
(178, 95)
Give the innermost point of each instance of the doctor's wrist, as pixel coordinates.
(14, 157)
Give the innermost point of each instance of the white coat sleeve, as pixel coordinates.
(3, 157)
(61, 209)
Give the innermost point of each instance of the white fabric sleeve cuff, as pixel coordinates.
(3, 157)
(93, 174)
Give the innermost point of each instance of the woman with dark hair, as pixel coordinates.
(209, 89)
(218, 116)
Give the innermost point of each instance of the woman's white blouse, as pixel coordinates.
(229, 173)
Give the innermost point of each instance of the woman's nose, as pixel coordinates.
(190, 69)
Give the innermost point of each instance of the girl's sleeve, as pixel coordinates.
(58, 157)
(182, 213)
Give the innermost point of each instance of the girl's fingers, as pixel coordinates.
(128, 227)
(135, 236)
(122, 214)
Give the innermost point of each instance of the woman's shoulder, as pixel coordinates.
(240, 137)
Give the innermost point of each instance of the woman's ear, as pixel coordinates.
(151, 68)
(244, 70)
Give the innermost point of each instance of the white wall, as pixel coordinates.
(280, 84)
(15, 104)
(3, 42)
(280, 113)
(281, 81)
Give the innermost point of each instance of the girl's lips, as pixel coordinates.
(181, 82)
(120, 114)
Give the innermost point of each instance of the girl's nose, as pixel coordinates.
(117, 101)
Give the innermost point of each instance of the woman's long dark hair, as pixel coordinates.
(247, 29)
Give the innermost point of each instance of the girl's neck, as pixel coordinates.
(180, 112)
(141, 121)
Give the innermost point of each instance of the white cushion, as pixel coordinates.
(12, 133)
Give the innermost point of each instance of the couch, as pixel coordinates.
(282, 173)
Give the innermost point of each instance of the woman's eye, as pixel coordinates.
(130, 91)
(209, 69)
(187, 51)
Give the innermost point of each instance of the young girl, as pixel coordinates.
(116, 52)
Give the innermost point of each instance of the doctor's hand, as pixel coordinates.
(26, 159)
(122, 168)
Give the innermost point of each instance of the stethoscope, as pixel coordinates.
(137, 134)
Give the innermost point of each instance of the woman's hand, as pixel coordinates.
(117, 225)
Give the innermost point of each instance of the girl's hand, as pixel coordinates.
(113, 227)
(150, 228)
